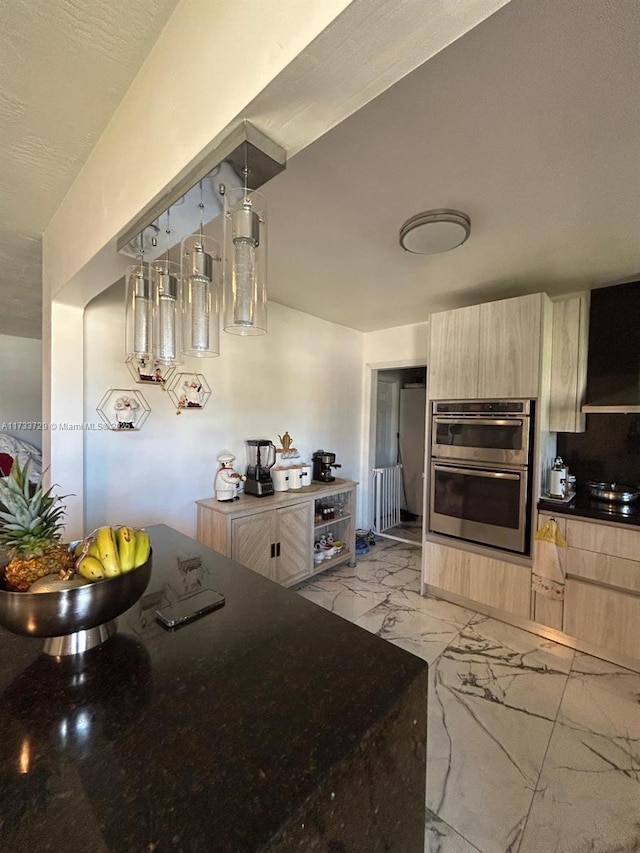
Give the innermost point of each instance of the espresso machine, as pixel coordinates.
(323, 462)
(261, 456)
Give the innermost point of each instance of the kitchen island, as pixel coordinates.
(267, 725)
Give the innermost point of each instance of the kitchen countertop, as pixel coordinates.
(267, 725)
(252, 502)
(585, 506)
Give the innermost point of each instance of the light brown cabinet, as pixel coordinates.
(274, 535)
(569, 364)
(488, 351)
(492, 582)
(605, 617)
(454, 352)
(510, 334)
(602, 593)
(276, 543)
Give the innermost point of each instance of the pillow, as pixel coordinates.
(6, 462)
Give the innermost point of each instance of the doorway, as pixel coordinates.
(397, 472)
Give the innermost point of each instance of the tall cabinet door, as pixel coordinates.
(252, 537)
(295, 528)
(510, 347)
(454, 349)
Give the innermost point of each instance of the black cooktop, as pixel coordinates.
(587, 507)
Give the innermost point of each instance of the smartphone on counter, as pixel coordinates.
(187, 609)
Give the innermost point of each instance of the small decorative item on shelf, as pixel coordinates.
(189, 391)
(149, 371)
(123, 409)
(287, 450)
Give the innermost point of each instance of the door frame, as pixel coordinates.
(369, 444)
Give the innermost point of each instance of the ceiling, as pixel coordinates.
(62, 76)
(529, 123)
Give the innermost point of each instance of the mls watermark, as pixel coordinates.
(53, 426)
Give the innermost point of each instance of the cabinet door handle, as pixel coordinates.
(277, 549)
(273, 550)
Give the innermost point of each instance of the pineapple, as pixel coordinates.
(30, 529)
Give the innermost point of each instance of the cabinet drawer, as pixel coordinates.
(614, 571)
(603, 539)
(604, 617)
(479, 578)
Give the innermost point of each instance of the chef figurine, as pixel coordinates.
(227, 482)
(126, 412)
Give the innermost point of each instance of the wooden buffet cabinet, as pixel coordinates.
(275, 535)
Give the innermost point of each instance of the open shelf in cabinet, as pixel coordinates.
(331, 521)
(345, 556)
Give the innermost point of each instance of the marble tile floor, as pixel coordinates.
(411, 530)
(532, 747)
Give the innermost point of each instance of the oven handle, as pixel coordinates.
(475, 472)
(481, 421)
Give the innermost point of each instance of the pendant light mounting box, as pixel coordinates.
(222, 162)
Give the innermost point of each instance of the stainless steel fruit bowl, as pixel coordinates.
(74, 620)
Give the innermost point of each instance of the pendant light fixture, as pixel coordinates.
(200, 259)
(165, 286)
(138, 313)
(174, 309)
(245, 261)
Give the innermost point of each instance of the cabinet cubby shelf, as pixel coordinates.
(343, 557)
(332, 521)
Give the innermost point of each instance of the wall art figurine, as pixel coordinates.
(149, 371)
(123, 410)
(189, 391)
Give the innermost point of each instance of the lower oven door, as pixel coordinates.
(485, 505)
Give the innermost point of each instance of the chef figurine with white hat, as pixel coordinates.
(227, 484)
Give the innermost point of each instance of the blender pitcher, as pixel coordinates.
(261, 456)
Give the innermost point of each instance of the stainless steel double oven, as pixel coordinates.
(481, 456)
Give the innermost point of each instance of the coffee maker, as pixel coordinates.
(323, 462)
(261, 456)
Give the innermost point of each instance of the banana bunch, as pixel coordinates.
(112, 551)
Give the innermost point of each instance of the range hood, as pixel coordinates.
(626, 402)
(613, 372)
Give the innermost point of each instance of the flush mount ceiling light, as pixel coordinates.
(435, 231)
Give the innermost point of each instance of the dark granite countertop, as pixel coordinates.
(270, 724)
(584, 506)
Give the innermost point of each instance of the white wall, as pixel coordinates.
(400, 346)
(304, 376)
(21, 387)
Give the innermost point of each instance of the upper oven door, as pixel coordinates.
(502, 441)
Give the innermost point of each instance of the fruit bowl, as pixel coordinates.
(74, 620)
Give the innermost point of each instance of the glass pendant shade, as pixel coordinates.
(200, 296)
(245, 262)
(167, 328)
(138, 313)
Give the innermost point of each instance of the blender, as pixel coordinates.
(261, 456)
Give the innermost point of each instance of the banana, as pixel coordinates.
(126, 539)
(92, 551)
(143, 548)
(91, 568)
(108, 551)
